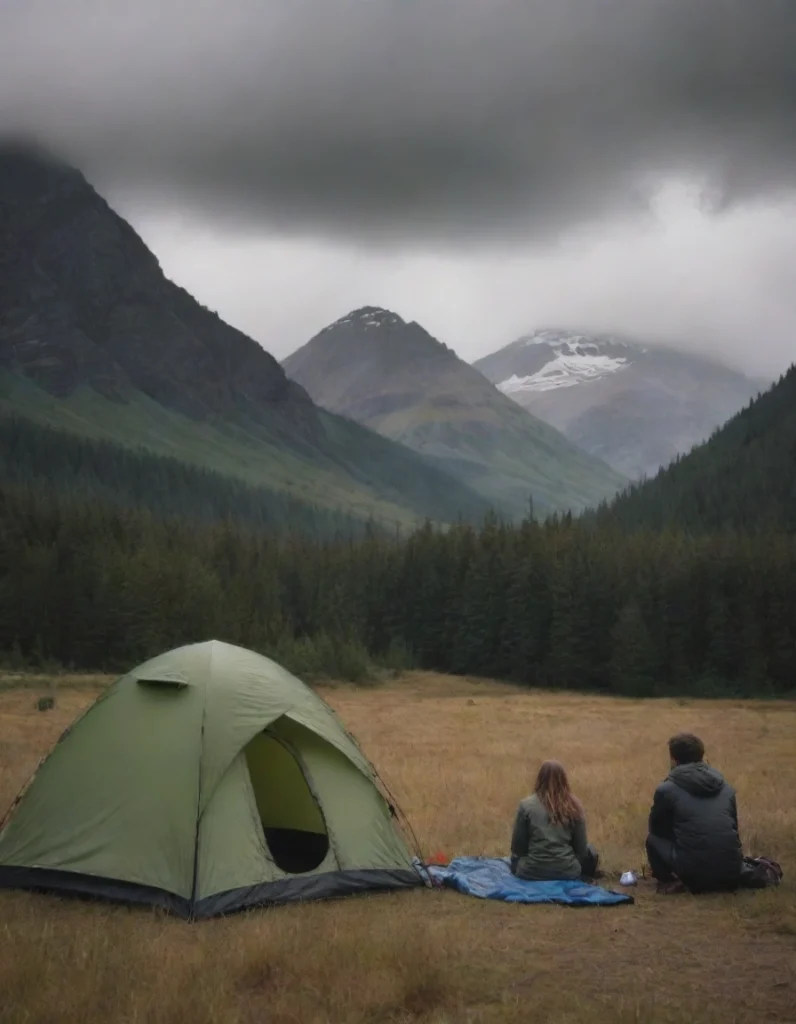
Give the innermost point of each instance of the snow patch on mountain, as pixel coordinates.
(574, 359)
(367, 316)
(564, 371)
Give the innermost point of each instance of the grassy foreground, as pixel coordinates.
(458, 756)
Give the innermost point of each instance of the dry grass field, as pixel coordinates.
(458, 755)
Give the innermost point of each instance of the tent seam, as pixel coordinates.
(195, 880)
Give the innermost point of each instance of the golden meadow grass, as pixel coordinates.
(458, 755)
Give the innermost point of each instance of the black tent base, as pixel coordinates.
(307, 888)
(51, 882)
(298, 889)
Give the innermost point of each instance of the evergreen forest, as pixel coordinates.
(109, 556)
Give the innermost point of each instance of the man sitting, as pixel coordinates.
(693, 840)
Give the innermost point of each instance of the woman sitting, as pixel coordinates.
(549, 839)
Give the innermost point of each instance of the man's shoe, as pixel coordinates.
(670, 888)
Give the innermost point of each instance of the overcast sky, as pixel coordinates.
(483, 167)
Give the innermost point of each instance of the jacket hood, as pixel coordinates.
(698, 778)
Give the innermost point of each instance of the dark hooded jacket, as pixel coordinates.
(695, 810)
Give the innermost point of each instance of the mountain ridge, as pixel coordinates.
(393, 376)
(95, 339)
(740, 479)
(65, 243)
(634, 404)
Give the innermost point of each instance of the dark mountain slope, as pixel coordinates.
(742, 478)
(95, 339)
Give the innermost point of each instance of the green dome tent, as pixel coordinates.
(203, 782)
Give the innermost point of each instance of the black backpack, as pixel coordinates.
(760, 873)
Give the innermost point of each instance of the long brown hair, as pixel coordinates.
(552, 788)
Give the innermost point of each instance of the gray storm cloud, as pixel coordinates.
(410, 119)
(720, 286)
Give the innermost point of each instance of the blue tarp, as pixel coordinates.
(490, 878)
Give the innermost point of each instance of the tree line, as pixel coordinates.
(96, 585)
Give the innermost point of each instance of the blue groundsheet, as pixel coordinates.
(490, 878)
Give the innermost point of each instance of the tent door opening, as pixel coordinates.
(293, 825)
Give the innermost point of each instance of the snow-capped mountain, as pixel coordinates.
(635, 405)
(366, 317)
(395, 378)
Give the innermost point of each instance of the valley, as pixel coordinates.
(397, 513)
(395, 378)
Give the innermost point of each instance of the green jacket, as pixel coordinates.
(541, 851)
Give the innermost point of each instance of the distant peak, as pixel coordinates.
(369, 317)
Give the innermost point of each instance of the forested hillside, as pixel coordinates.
(85, 468)
(97, 341)
(561, 604)
(743, 478)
